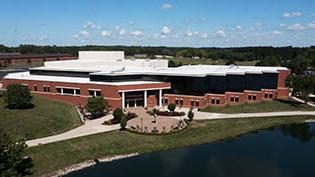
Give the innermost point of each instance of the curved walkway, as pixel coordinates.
(211, 116)
(90, 127)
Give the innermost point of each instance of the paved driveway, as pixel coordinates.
(90, 127)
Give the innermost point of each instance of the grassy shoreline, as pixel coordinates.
(51, 157)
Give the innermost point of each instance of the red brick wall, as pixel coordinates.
(152, 101)
(283, 74)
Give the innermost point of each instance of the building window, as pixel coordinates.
(68, 91)
(181, 102)
(35, 87)
(192, 103)
(177, 102)
(236, 99)
(254, 97)
(249, 97)
(46, 88)
(212, 101)
(95, 93)
(270, 96)
(217, 101)
(232, 99)
(165, 101)
(266, 95)
(197, 103)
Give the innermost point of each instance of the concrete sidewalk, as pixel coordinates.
(90, 127)
(212, 116)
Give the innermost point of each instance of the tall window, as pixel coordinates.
(95, 93)
(68, 91)
(35, 87)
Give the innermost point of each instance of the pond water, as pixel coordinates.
(287, 151)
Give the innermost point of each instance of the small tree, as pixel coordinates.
(118, 114)
(171, 107)
(123, 123)
(96, 106)
(13, 160)
(1, 93)
(190, 115)
(18, 96)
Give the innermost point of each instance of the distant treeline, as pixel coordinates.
(297, 58)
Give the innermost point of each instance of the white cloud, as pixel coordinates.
(82, 35)
(166, 6)
(105, 34)
(311, 25)
(293, 14)
(238, 28)
(191, 33)
(121, 32)
(130, 22)
(278, 33)
(137, 33)
(204, 35)
(166, 30)
(220, 33)
(295, 26)
(91, 25)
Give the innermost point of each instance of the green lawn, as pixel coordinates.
(268, 106)
(50, 157)
(48, 117)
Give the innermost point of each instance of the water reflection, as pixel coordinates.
(302, 132)
(276, 152)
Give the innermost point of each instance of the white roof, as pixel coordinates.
(28, 76)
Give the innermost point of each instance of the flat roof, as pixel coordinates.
(187, 70)
(28, 76)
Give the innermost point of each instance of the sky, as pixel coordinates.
(183, 23)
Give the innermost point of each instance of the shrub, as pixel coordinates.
(190, 115)
(1, 93)
(166, 113)
(123, 123)
(118, 114)
(131, 115)
(171, 107)
(96, 106)
(18, 96)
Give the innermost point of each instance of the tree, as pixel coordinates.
(118, 114)
(171, 107)
(123, 123)
(96, 106)
(190, 115)
(302, 85)
(171, 63)
(1, 93)
(18, 96)
(13, 160)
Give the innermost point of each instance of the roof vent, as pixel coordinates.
(118, 70)
(233, 66)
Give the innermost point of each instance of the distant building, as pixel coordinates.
(149, 83)
(163, 56)
(141, 56)
(18, 58)
(195, 57)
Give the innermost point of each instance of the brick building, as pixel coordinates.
(149, 83)
(18, 58)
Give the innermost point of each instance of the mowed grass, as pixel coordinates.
(50, 157)
(48, 117)
(267, 106)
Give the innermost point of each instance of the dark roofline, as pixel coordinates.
(27, 56)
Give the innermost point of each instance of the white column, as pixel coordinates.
(145, 98)
(160, 98)
(74, 92)
(135, 103)
(123, 99)
(61, 91)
